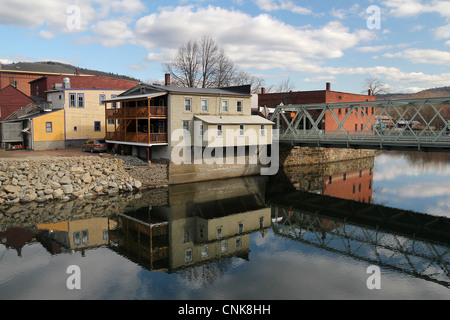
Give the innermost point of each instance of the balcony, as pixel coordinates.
(133, 137)
(137, 112)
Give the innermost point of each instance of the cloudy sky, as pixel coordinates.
(405, 43)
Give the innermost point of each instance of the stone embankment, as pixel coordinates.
(62, 178)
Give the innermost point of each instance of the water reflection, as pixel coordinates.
(200, 232)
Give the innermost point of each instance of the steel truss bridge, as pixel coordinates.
(404, 241)
(415, 124)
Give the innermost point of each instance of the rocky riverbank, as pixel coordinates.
(62, 178)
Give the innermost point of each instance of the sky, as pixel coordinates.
(403, 43)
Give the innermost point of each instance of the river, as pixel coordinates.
(368, 229)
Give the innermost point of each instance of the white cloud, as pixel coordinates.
(46, 34)
(274, 5)
(263, 42)
(429, 56)
(112, 33)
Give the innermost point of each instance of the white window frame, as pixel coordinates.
(239, 104)
(262, 130)
(219, 130)
(225, 106)
(188, 129)
(206, 103)
(190, 105)
(241, 130)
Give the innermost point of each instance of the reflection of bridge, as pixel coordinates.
(405, 241)
(416, 124)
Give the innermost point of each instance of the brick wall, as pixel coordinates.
(11, 100)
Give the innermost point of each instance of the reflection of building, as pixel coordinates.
(352, 185)
(77, 235)
(203, 222)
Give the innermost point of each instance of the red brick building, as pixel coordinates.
(354, 185)
(353, 123)
(12, 99)
(40, 87)
(19, 75)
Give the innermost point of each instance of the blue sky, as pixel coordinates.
(404, 43)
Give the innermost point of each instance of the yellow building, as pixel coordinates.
(74, 109)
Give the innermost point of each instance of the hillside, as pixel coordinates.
(429, 93)
(57, 67)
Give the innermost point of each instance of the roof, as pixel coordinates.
(143, 89)
(234, 119)
(40, 67)
(138, 96)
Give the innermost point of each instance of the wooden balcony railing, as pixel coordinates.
(123, 113)
(137, 137)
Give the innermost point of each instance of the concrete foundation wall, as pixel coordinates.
(48, 145)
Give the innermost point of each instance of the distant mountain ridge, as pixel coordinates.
(428, 93)
(58, 67)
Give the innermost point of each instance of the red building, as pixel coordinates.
(353, 185)
(20, 74)
(354, 121)
(12, 99)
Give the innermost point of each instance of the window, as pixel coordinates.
(263, 130)
(75, 128)
(201, 130)
(219, 130)
(72, 100)
(204, 105)
(356, 127)
(80, 100)
(187, 236)
(105, 235)
(111, 121)
(102, 98)
(48, 127)
(84, 236)
(239, 106)
(238, 243)
(261, 222)
(205, 252)
(240, 227)
(224, 245)
(241, 130)
(187, 125)
(187, 105)
(362, 126)
(97, 126)
(345, 176)
(188, 256)
(219, 232)
(77, 238)
(225, 106)
(114, 104)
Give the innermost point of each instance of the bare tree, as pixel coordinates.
(245, 78)
(185, 67)
(201, 64)
(375, 86)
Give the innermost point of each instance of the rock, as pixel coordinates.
(12, 188)
(54, 185)
(29, 197)
(58, 193)
(67, 188)
(65, 180)
(86, 178)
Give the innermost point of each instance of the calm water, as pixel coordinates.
(282, 238)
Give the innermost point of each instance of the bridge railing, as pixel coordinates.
(419, 122)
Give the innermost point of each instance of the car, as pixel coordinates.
(95, 145)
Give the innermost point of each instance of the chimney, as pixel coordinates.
(263, 90)
(77, 72)
(328, 86)
(0, 65)
(167, 79)
(369, 92)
